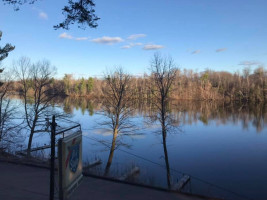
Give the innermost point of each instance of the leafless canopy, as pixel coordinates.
(163, 74)
(117, 97)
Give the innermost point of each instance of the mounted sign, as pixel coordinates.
(70, 163)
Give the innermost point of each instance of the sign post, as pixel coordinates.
(70, 164)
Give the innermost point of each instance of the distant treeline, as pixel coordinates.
(188, 85)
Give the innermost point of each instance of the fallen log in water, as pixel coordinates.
(92, 164)
(181, 183)
(133, 172)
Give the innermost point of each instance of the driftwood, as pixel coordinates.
(33, 149)
(133, 172)
(92, 164)
(181, 183)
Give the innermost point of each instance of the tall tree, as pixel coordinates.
(81, 12)
(116, 106)
(82, 87)
(67, 83)
(90, 85)
(35, 80)
(163, 73)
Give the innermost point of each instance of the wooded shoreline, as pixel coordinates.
(188, 85)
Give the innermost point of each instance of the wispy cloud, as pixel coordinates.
(152, 47)
(130, 45)
(81, 38)
(249, 63)
(107, 40)
(43, 15)
(126, 47)
(136, 44)
(70, 37)
(196, 52)
(65, 36)
(135, 36)
(220, 50)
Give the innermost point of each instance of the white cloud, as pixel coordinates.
(196, 52)
(81, 38)
(107, 40)
(130, 45)
(65, 36)
(126, 47)
(152, 47)
(221, 49)
(104, 132)
(70, 37)
(136, 44)
(43, 15)
(135, 36)
(249, 63)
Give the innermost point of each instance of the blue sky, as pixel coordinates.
(198, 34)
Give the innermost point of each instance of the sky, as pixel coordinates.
(220, 35)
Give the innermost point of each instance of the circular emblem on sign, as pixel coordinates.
(74, 157)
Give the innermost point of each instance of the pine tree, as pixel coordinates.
(90, 85)
(82, 87)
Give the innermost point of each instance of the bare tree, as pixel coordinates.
(35, 80)
(163, 73)
(116, 106)
(9, 130)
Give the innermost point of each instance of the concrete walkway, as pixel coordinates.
(24, 182)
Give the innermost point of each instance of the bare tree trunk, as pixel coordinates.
(30, 143)
(31, 135)
(166, 158)
(111, 153)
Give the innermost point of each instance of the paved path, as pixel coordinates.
(24, 182)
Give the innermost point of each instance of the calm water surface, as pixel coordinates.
(222, 144)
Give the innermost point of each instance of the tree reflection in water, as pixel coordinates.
(189, 112)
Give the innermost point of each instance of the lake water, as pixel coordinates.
(221, 146)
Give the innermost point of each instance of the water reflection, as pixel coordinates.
(69, 104)
(164, 135)
(188, 112)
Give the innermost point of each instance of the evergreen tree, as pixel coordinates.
(67, 83)
(90, 85)
(82, 87)
(5, 50)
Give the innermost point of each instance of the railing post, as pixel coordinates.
(52, 160)
(60, 169)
